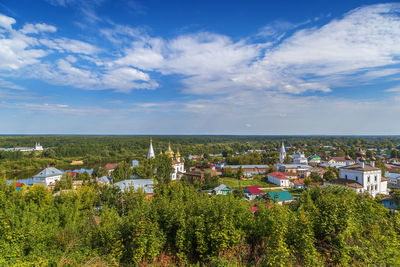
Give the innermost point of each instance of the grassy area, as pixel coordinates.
(234, 183)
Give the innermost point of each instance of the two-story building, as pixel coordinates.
(361, 177)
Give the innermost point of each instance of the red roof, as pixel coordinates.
(253, 208)
(19, 184)
(279, 175)
(255, 189)
(111, 166)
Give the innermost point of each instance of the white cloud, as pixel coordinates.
(6, 22)
(395, 89)
(37, 28)
(70, 46)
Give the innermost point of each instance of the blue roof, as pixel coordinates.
(247, 166)
(222, 187)
(146, 184)
(281, 195)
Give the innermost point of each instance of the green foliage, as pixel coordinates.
(122, 172)
(163, 165)
(99, 225)
(64, 183)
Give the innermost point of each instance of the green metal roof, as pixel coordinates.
(280, 195)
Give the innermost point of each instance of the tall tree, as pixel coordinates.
(164, 168)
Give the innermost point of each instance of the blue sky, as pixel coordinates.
(199, 67)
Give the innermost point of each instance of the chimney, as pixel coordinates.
(372, 160)
(362, 162)
(348, 160)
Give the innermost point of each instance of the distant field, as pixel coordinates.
(234, 183)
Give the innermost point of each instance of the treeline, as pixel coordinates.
(180, 226)
(110, 146)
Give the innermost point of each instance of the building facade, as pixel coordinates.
(361, 177)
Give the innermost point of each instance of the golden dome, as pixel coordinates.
(169, 152)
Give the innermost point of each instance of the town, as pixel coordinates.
(280, 182)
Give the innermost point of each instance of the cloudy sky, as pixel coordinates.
(199, 67)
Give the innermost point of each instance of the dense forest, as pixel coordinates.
(180, 226)
(98, 150)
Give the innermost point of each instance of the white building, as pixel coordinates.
(38, 147)
(278, 178)
(48, 176)
(177, 163)
(299, 158)
(361, 177)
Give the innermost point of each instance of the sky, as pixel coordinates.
(200, 67)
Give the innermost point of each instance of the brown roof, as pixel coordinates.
(349, 183)
(383, 179)
(357, 167)
(111, 166)
(338, 158)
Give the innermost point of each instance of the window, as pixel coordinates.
(376, 187)
(368, 179)
(376, 178)
(356, 178)
(345, 176)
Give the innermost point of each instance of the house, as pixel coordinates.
(110, 167)
(250, 170)
(393, 179)
(198, 174)
(47, 176)
(278, 178)
(299, 184)
(320, 171)
(314, 159)
(147, 185)
(340, 161)
(281, 197)
(135, 163)
(222, 190)
(361, 177)
(104, 180)
(253, 191)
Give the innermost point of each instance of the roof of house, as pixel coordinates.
(255, 189)
(48, 172)
(222, 187)
(315, 156)
(346, 182)
(278, 175)
(298, 181)
(281, 195)
(357, 167)
(104, 179)
(338, 159)
(253, 166)
(111, 166)
(146, 184)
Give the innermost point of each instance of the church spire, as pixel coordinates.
(282, 154)
(150, 154)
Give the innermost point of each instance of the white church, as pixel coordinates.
(361, 177)
(177, 161)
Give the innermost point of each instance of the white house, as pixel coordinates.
(278, 178)
(48, 176)
(361, 177)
